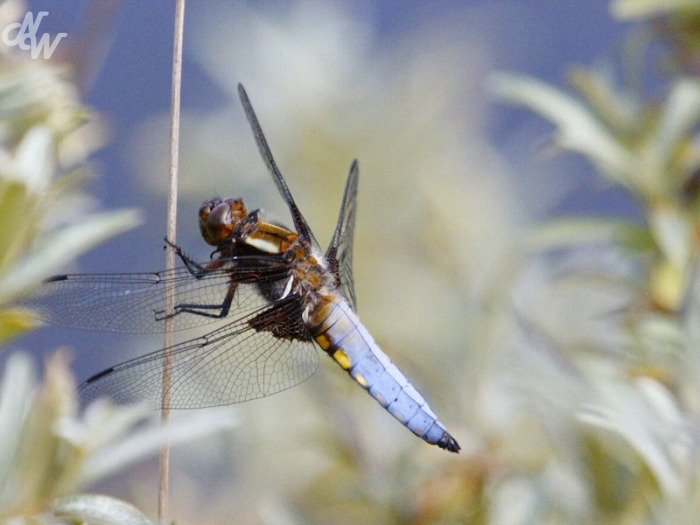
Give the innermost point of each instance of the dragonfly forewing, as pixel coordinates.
(134, 302)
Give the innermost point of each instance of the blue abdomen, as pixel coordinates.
(338, 330)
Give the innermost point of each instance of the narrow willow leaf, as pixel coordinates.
(672, 229)
(95, 509)
(631, 9)
(579, 129)
(578, 231)
(187, 427)
(646, 415)
(680, 115)
(668, 284)
(43, 463)
(13, 322)
(16, 393)
(33, 162)
(15, 223)
(620, 109)
(63, 246)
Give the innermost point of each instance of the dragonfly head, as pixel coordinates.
(218, 217)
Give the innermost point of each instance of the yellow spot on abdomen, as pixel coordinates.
(361, 379)
(323, 341)
(342, 358)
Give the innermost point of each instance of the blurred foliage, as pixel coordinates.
(627, 333)
(46, 221)
(564, 357)
(47, 449)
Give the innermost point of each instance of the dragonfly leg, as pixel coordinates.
(202, 309)
(197, 270)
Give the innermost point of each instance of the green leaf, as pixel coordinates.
(680, 115)
(646, 415)
(13, 322)
(96, 509)
(578, 231)
(15, 222)
(673, 231)
(16, 394)
(621, 110)
(44, 465)
(631, 9)
(115, 455)
(63, 246)
(579, 129)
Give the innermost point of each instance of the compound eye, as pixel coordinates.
(206, 207)
(218, 218)
(204, 212)
(215, 223)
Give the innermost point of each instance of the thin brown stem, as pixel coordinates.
(170, 253)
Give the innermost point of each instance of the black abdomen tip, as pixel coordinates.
(448, 443)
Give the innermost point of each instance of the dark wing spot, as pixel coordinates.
(283, 320)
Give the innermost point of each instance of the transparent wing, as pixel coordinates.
(300, 223)
(133, 302)
(262, 353)
(339, 252)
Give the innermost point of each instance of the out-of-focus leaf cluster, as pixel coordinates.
(673, 23)
(48, 450)
(45, 139)
(647, 149)
(567, 369)
(610, 311)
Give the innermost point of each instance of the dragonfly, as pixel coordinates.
(278, 294)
